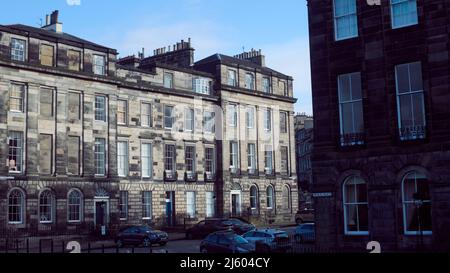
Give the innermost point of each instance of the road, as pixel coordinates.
(179, 246)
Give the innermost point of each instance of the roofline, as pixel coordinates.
(90, 45)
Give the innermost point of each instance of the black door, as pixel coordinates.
(100, 213)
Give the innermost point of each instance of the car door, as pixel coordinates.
(224, 245)
(250, 237)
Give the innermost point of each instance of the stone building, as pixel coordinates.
(92, 140)
(304, 139)
(381, 159)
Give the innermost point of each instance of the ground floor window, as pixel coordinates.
(190, 204)
(16, 207)
(254, 197)
(46, 207)
(270, 197)
(416, 204)
(146, 205)
(210, 206)
(75, 206)
(356, 209)
(123, 205)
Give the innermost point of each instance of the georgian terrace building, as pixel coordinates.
(91, 140)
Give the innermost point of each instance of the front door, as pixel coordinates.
(235, 203)
(101, 213)
(170, 208)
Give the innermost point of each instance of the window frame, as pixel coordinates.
(345, 204)
(100, 141)
(232, 115)
(284, 125)
(148, 115)
(147, 205)
(336, 38)
(189, 120)
(249, 81)
(250, 119)
(255, 197)
(21, 99)
(172, 159)
(193, 208)
(80, 205)
(266, 85)
(171, 117)
(210, 204)
(21, 149)
(252, 158)
(407, 232)
(41, 46)
(100, 114)
(268, 119)
(234, 157)
(21, 206)
(123, 112)
(268, 150)
(232, 81)
(96, 65)
(123, 205)
(150, 160)
(270, 204)
(166, 78)
(212, 161)
(410, 93)
(416, 22)
(193, 159)
(13, 49)
(50, 206)
(73, 52)
(212, 116)
(125, 157)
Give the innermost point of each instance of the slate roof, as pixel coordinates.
(227, 60)
(51, 35)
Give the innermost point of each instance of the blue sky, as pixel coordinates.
(225, 26)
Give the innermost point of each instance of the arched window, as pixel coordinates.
(287, 197)
(75, 206)
(254, 199)
(416, 204)
(270, 196)
(16, 206)
(356, 206)
(46, 207)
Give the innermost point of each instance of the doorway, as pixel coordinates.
(170, 209)
(235, 203)
(101, 212)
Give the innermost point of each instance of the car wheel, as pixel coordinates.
(119, 243)
(163, 243)
(146, 242)
(203, 250)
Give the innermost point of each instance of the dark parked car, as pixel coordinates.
(226, 242)
(141, 235)
(305, 233)
(203, 228)
(269, 240)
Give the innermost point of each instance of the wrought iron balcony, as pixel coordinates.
(209, 177)
(190, 176)
(353, 139)
(170, 176)
(412, 132)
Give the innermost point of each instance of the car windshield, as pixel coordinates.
(239, 239)
(232, 222)
(144, 228)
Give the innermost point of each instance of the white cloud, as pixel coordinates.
(292, 58)
(73, 2)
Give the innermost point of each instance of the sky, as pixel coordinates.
(278, 28)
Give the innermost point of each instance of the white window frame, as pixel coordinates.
(15, 48)
(411, 93)
(147, 106)
(268, 119)
(20, 150)
(212, 161)
(345, 204)
(406, 202)
(123, 205)
(100, 114)
(270, 198)
(171, 117)
(168, 80)
(147, 206)
(149, 158)
(232, 114)
(209, 128)
(191, 205)
(202, 85)
(122, 158)
(251, 156)
(266, 85)
(189, 119)
(69, 205)
(250, 117)
(268, 159)
(99, 65)
(254, 197)
(232, 78)
(97, 159)
(21, 99)
(193, 171)
(341, 16)
(400, 2)
(352, 102)
(50, 206)
(21, 206)
(234, 156)
(172, 159)
(123, 112)
(210, 204)
(250, 81)
(285, 125)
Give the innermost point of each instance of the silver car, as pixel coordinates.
(269, 240)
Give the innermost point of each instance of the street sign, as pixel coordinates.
(322, 194)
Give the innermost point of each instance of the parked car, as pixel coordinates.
(269, 240)
(304, 216)
(141, 235)
(225, 242)
(305, 233)
(203, 228)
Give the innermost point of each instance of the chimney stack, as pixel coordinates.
(254, 56)
(52, 22)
